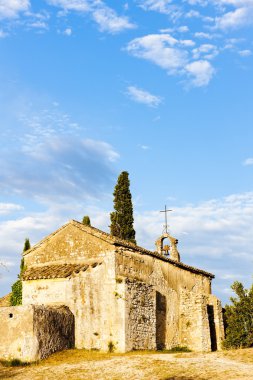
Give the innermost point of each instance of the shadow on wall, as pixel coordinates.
(210, 312)
(160, 321)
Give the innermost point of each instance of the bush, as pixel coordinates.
(239, 318)
(86, 220)
(16, 295)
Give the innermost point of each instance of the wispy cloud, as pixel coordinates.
(67, 32)
(141, 96)
(106, 17)
(12, 8)
(3, 34)
(245, 53)
(248, 161)
(201, 72)
(161, 6)
(109, 21)
(240, 17)
(215, 235)
(205, 51)
(58, 159)
(172, 55)
(7, 208)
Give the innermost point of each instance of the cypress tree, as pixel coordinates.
(16, 295)
(122, 218)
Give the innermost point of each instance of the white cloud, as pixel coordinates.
(3, 34)
(245, 53)
(160, 49)
(72, 5)
(202, 72)
(215, 235)
(161, 6)
(109, 21)
(67, 32)
(12, 8)
(7, 208)
(205, 51)
(203, 35)
(198, 2)
(58, 160)
(237, 18)
(144, 97)
(183, 29)
(106, 18)
(193, 14)
(248, 161)
(38, 24)
(172, 55)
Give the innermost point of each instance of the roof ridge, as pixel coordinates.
(45, 239)
(117, 242)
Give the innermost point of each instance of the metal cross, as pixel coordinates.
(166, 222)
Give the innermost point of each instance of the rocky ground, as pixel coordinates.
(80, 364)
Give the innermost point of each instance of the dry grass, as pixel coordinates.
(93, 365)
(243, 355)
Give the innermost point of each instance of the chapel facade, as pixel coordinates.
(106, 293)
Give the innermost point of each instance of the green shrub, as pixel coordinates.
(16, 295)
(14, 363)
(86, 220)
(239, 318)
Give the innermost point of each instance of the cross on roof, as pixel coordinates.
(166, 221)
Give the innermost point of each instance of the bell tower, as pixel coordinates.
(170, 249)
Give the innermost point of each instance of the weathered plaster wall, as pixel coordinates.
(69, 244)
(183, 318)
(194, 323)
(17, 339)
(94, 297)
(140, 316)
(54, 329)
(106, 300)
(30, 333)
(218, 319)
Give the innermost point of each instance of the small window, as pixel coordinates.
(10, 315)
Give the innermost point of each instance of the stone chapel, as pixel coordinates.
(84, 288)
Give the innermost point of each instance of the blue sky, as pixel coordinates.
(160, 88)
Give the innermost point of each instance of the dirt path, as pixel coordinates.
(213, 366)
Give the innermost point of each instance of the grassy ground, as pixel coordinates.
(90, 365)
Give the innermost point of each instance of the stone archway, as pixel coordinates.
(170, 251)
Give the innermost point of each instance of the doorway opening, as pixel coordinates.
(212, 328)
(161, 309)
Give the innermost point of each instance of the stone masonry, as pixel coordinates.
(120, 295)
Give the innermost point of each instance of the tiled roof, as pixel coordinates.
(5, 301)
(54, 271)
(120, 243)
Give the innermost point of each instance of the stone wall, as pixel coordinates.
(181, 299)
(69, 244)
(95, 298)
(163, 275)
(194, 321)
(140, 316)
(54, 329)
(218, 327)
(30, 333)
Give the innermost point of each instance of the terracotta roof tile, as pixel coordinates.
(120, 243)
(54, 271)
